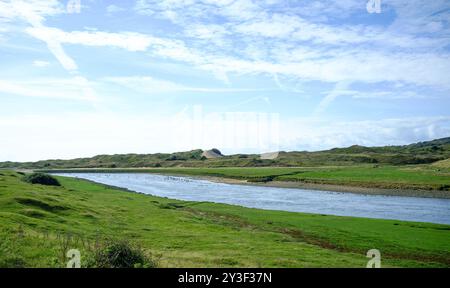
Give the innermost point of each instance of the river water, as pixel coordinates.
(286, 199)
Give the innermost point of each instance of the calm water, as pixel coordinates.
(295, 200)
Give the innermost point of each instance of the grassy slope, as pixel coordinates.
(426, 177)
(201, 234)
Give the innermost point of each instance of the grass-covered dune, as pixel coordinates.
(36, 219)
(417, 153)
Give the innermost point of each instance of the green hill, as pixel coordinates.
(417, 153)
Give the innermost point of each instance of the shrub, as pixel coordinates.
(217, 151)
(176, 158)
(13, 262)
(41, 178)
(261, 179)
(121, 254)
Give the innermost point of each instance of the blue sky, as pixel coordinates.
(150, 76)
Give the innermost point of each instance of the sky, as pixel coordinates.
(89, 77)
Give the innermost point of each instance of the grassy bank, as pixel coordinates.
(414, 177)
(33, 217)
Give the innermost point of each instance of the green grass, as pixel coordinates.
(417, 176)
(193, 234)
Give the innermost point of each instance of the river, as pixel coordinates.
(286, 199)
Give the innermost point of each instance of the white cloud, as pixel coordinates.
(75, 88)
(41, 63)
(283, 56)
(112, 9)
(150, 85)
(125, 40)
(308, 48)
(317, 134)
(339, 90)
(33, 11)
(387, 95)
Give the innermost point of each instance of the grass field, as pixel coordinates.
(426, 177)
(34, 218)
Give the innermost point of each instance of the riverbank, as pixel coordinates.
(199, 234)
(332, 188)
(282, 199)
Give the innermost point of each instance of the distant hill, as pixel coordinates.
(417, 153)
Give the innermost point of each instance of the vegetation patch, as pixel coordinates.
(41, 178)
(170, 205)
(33, 213)
(40, 204)
(121, 254)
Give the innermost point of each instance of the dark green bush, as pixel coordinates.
(41, 178)
(261, 179)
(217, 151)
(13, 262)
(121, 254)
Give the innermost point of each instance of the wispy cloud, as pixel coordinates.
(126, 40)
(335, 64)
(74, 88)
(329, 52)
(112, 9)
(150, 85)
(41, 63)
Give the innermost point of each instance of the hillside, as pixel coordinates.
(417, 153)
(39, 223)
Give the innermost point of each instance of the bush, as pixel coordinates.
(176, 158)
(41, 178)
(121, 254)
(13, 262)
(217, 151)
(261, 179)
